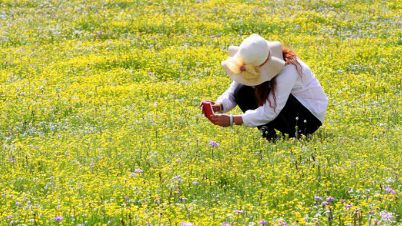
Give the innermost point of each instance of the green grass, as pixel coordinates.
(92, 93)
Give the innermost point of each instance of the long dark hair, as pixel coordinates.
(262, 91)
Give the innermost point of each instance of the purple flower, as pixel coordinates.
(317, 198)
(59, 218)
(10, 217)
(18, 203)
(186, 224)
(324, 203)
(86, 69)
(330, 199)
(157, 201)
(92, 164)
(348, 205)
(180, 199)
(225, 224)
(386, 215)
(239, 211)
(282, 223)
(126, 198)
(177, 178)
(195, 183)
(263, 222)
(389, 190)
(213, 143)
(139, 170)
(150, 73)
(297, 26)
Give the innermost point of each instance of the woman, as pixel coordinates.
(273, 88)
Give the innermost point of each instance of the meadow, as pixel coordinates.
(100, 121)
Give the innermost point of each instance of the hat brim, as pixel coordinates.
(269, 70)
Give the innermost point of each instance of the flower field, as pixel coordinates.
(100, 121)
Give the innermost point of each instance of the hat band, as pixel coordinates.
(269, 54)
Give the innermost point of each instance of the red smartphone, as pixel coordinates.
(208, 110)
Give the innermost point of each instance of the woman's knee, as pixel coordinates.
(243, 91)
(245, 97)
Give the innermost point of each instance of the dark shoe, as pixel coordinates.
(267, 134)
(264, 131)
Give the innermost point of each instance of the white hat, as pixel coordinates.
(255, 61)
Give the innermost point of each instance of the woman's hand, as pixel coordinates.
(217, 107)
(221, 120)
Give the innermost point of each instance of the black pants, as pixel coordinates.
(294, 119)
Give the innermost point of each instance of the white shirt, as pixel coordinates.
(305, 88)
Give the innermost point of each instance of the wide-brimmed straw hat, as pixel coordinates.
(255, 61)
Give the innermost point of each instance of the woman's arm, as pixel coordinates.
(227, 98)
(224, 120)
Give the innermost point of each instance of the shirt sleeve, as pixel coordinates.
(265, 113)
(227, 98)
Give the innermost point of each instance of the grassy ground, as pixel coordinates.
(100, 124)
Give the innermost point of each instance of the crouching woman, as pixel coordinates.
(274, 89)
